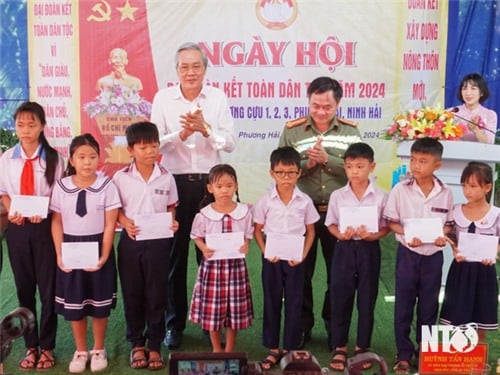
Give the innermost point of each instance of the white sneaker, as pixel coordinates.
(79, 362)
(98, 360)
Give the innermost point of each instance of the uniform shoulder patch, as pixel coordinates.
(298, 121)
(347, 122)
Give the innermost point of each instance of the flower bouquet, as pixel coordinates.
(113, 110)
(424, 122)
(118, 100)
(117, 107)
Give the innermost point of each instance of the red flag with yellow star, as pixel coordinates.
(117, 76)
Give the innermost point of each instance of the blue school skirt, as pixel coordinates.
(80, 293)
(471, 296)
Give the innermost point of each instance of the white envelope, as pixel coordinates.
(475, 247)
(357, 216)
(426, 229)
(225, 245)
(80, 255)
(154, 226)
(284, 246)
(29, 205)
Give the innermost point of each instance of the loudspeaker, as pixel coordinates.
(12, 326)
(355, 364)
(299, 361)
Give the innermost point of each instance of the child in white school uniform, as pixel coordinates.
(471, 293)
(85, 207)
(145, 187)
(222, 298)
(418, 264)
(30, 168)
(355, 266)
(284, 209)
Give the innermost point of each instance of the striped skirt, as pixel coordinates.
(80, 293)
(471, 296)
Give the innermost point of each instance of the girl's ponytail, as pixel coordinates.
(51, 159)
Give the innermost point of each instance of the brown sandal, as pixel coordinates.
(336, 363)
(155, 363)
(46, 360)
(27, 363)
(138, 358)
(272, 358)
(402, 367)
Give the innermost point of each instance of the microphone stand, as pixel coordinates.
(455, 110)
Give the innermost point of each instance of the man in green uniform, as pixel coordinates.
(321, 139)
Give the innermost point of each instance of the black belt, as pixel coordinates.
(321, 207)
(191, 177)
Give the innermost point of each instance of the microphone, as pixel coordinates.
(454, 110)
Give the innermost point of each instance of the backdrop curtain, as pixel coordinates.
(473, 46)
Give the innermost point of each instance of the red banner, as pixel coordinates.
(118, 80)
(441, 362)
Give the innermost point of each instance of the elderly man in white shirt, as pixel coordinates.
(195, 125)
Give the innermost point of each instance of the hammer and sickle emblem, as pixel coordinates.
(100, 14)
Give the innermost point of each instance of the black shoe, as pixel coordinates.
(173, 339)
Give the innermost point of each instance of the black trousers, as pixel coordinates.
(418, 281)
(33, 260)
(327, 245)
(354, 275)
(142, 266)
(191, 189)
(281, 283)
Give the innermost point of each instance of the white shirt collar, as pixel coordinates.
(238, 213)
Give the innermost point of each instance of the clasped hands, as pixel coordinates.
(102, 260)
(208, 253)
(441, 242)
(291, 262)
(472, 124)
(317, 154)
(351, 233)
(193, 122)
(416, 242)
(18, 219)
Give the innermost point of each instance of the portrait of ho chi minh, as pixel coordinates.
(118, 61)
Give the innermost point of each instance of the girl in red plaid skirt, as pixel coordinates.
(222, 230)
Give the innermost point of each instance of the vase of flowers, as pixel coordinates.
(115, 108)
(424, 122)
(119, 100)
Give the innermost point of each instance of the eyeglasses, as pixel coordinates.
(288, 174)
(183, 69)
